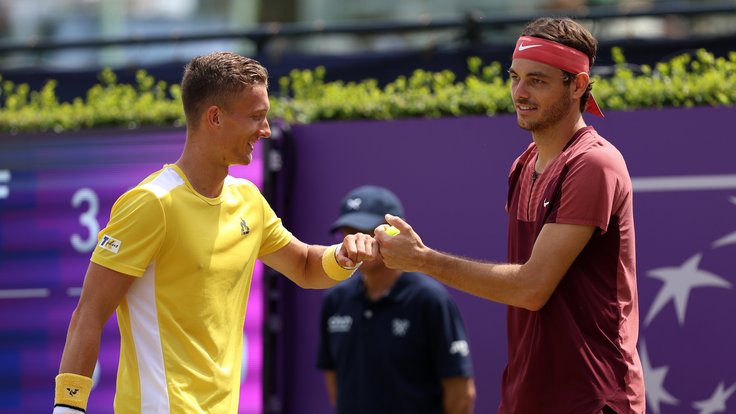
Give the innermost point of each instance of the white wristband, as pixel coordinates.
(65, 410)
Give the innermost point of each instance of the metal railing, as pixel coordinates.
(472, 26)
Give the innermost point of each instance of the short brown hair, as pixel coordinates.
(215, 79)
(569, 33)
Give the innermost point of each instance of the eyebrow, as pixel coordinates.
(534, 74)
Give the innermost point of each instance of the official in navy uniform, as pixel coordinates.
(390, 341)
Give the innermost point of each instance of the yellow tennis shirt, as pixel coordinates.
(181, 322)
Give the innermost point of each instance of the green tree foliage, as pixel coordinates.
(107, 104)
(699, 79)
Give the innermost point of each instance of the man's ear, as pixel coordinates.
(582, 80)
(212, 116)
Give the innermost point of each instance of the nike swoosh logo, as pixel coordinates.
(546, 203)
(522, 47)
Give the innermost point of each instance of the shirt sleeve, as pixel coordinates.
(589, 191)
(451, 350)
(275, 235)
(133, 235)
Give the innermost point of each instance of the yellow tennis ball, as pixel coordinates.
(392, 231)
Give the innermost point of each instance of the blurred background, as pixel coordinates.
(73, 39)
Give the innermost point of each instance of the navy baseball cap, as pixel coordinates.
(364, 207)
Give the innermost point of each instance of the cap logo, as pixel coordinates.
(522, 47)
(354, 203)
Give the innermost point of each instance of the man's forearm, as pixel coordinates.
(74, 382)
(458, 395)
(503, 283)
(81, 348)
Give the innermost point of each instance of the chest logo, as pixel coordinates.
(399, 327)
(337, 323)
(244, 229)
(546, 203)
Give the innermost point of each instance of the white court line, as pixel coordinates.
(647, 184)
(4, 178)
(684, 183)
(74, 292)
(24, 293)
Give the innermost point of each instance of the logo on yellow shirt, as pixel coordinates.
(244, 229)
(110, 243)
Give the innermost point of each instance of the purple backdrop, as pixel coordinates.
(451, 174)
(56, 192)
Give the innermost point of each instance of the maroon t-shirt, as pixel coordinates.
(577, 353)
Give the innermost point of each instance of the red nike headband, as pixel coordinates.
(557, 55)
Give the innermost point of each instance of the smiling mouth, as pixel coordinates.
(524, 107)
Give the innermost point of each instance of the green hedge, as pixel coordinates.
(303, 97)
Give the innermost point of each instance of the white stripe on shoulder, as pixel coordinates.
(230, 180)
(166, 181)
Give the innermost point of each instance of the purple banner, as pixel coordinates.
(451, 175)
(56, 192)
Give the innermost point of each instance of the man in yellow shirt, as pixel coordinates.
(177, 256)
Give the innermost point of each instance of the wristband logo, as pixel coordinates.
(72, 391)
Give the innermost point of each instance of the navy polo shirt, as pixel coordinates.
(390, 355)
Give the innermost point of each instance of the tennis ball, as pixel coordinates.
(392, 231)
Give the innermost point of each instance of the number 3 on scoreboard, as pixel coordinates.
(87, 218)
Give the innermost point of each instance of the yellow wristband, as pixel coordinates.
(332, 268)
(72, 391)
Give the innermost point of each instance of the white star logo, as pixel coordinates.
(654, 382)
(717, 402)
(729, 238)
(678, 282)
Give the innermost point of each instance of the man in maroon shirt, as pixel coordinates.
(570, 280)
